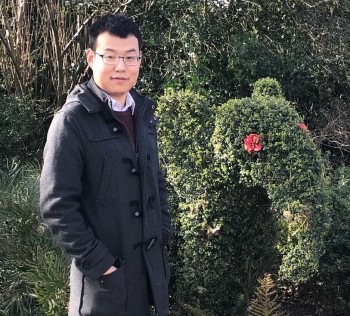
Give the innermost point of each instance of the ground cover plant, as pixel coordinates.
(33, 270)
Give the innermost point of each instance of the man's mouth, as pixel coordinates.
(119, 78)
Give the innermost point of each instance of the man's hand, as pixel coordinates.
(110, 270)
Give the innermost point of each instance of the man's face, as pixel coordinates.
(116, 80)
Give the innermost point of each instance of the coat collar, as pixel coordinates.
(100, 100)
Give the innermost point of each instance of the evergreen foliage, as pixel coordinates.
(21, 128)
(194, 311)
(237, 207)
(334, 272)
(289, 167)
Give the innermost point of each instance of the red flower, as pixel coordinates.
(303, 127)
(253, 143)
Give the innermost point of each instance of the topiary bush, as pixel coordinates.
(185, 129)
(287, 165)
(184, 132)
(211, 214)
(251, 189)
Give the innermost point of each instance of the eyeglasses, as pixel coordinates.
(111, 59)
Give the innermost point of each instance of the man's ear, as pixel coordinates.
(140, 54)
(90, 56)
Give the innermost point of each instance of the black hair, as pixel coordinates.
(115, 24)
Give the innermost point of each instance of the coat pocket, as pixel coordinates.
(105, 296)
(104, 182)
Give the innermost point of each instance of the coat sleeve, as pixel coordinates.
(167, 229)
(60, 191)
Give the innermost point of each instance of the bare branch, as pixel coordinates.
(77, 34)
(124, 4)
(14, 62)
(60, 75)
(314, 5)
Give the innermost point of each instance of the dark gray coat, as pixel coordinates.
(107, 205)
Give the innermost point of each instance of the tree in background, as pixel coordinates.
(43, 45)
(222, 46)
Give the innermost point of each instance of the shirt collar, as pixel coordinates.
(115, 105)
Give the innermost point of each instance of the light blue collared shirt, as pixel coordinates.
(115, 105)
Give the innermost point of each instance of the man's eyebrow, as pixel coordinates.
(114, 51)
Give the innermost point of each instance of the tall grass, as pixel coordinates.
(33, 270)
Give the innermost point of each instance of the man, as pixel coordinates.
(103, 195)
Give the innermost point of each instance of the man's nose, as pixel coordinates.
(120, 65)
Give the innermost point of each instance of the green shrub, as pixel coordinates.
(240, 201)
(289, 167)
(185, 130)
(267, 87)
(334, 272)
(20, 127)
(220, 262)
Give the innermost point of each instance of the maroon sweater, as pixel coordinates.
(127, 119)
